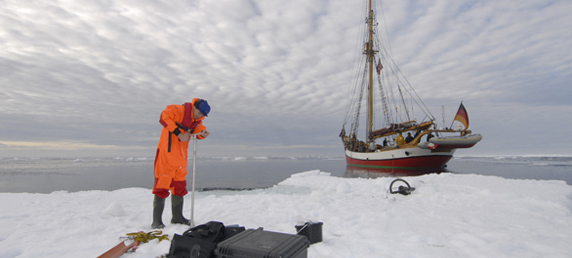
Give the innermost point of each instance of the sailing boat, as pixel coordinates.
(388, 117)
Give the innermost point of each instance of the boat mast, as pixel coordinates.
(370, 52)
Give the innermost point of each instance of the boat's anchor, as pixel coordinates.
(401, 189)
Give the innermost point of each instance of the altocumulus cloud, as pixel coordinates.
(276, 73)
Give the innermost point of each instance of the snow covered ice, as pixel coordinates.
(448, 215)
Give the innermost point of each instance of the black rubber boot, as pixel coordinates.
(158, 206)
(177, 208)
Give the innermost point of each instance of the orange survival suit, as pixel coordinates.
(171, 157)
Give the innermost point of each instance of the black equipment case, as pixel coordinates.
(311, 230)
(263, 244)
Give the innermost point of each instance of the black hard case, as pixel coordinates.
(263, 244)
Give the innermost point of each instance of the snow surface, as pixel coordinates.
(448, 215)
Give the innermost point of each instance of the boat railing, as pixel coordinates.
(400, 128)
(355, 145)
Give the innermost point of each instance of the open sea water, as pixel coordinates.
(46, 175)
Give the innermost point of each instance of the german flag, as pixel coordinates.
(462, 116)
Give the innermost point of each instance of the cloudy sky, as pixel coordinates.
(90, 78)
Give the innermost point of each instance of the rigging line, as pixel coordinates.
(359, 82)
(384, 100)
(387, 54)
(414, 95)
(362, 90)
(385, 25)
(385, 108)
(426, 109)
(358, 110)
(403, 100)
(387, 83)
(356, 68)
(398, 83)
(355, 104)
(356, 96)
(352, 100)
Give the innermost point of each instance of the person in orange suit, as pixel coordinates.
(179, 123)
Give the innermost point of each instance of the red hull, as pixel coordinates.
(409, 163)
(367, 172)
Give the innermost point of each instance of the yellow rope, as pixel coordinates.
(145, 237)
